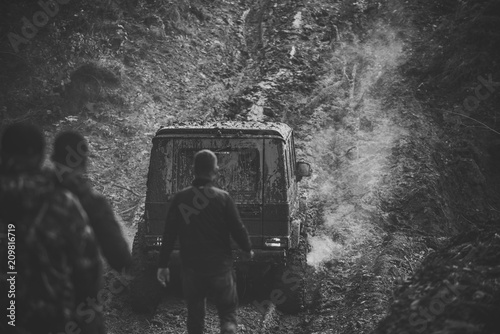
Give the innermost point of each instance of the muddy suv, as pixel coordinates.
(258, 168)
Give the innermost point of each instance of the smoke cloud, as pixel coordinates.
(350, 159)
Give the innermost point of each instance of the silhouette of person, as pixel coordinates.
(204, 217)
(70, 160)
(56, 266)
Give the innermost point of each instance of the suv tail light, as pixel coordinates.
(153, 241)
(276, 242)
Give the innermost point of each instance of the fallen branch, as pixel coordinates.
(353, 84)
(409, 263)
(129, 209)
(475, 120)
(128, 189)
(337, 33)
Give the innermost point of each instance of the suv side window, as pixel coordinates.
(275, 186)
(287, 166)
(293, 158)
(292, 190)
(290, 160)
(160, 172)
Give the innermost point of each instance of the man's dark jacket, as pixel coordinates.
(106, 228)
(204, 217)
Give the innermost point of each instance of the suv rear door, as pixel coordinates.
(240, 173)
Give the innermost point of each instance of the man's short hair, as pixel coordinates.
(70, 149)
(22, 140)
(205, 161)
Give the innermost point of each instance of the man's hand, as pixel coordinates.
(248, 256)
(163, 276)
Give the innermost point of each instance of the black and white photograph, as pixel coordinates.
(252, 167)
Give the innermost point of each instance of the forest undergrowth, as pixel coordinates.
(382, 95)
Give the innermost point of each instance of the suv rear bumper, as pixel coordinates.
(260, 256)
(269, 255)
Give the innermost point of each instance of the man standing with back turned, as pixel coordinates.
(57, 267)
(204, 217)
(70, 160)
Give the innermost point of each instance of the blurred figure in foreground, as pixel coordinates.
(204, 217)
(70, 161)
(56, 268)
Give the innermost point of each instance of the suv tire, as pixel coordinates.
(289, 278)
(145, 290)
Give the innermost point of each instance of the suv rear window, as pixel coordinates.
(240, 172)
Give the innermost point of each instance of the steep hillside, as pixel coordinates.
(403, 203)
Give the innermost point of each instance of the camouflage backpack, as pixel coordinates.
(57, 262)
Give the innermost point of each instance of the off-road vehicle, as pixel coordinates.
(258, 168)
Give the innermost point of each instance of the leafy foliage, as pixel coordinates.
(386, 180)
(458, 48)
(464, 35)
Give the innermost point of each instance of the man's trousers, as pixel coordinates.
(219, 289)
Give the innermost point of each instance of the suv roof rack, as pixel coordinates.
(226, 128)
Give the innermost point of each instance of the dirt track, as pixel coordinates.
(390, 185)
(349, 275)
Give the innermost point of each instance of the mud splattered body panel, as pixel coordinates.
(254, 166)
